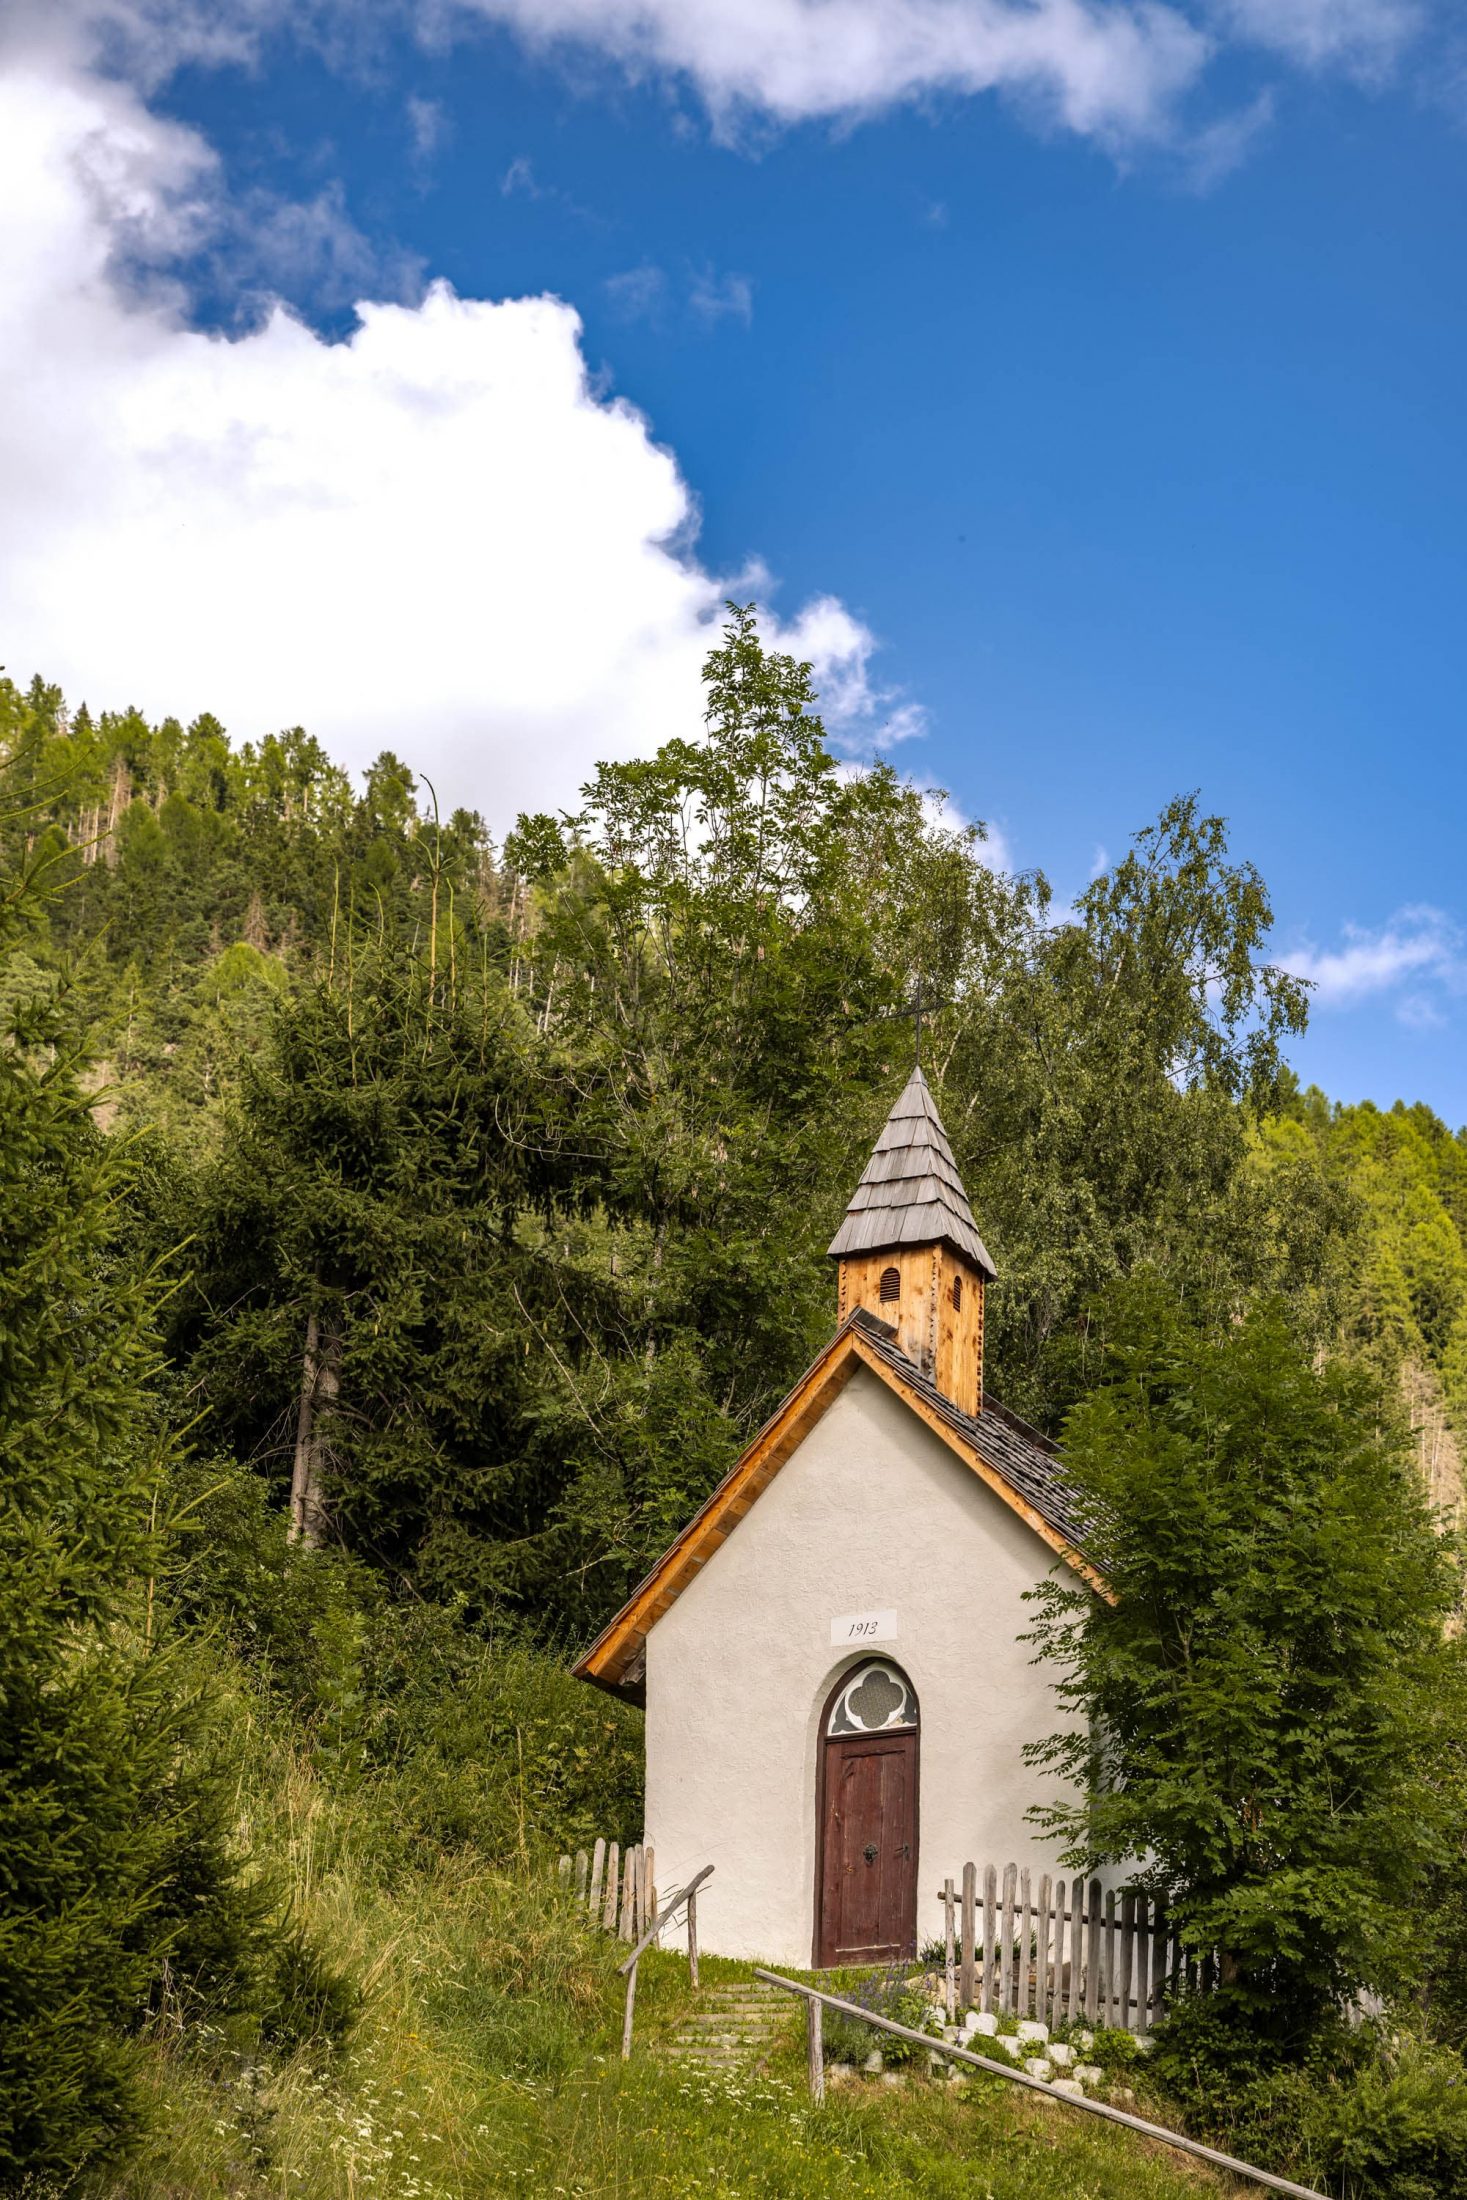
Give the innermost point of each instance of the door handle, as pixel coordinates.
(869, 1852)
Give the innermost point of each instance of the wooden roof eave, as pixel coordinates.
(618, 1645)
(715, 1520)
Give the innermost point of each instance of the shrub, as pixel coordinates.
(886, 1994)
(1366, 2111)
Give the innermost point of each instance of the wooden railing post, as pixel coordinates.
(815, 2047)
(949, 1959)
(1041, 1950)
(684, 1896)
(1008, 1999)
(693, 1941)
(1026, 1920)
(990, 1883)
(966, 1990)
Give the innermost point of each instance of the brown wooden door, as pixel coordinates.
(867, 1892)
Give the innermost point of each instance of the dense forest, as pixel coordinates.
(420, 1223)
(525, 1156)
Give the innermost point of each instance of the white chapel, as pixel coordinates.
(837, 1693)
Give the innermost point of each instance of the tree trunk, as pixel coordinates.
(320, 1384)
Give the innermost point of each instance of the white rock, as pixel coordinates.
(981, 2020)
(892, 2077)
(1085, 2041)
(1031, 2029)
(1071, 2086)
(1040, 2066)
(1089, 2073)
(873, 2062)
(1061, 2054)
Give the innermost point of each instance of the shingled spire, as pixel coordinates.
(909, 1249)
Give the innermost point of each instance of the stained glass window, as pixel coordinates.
(876, 1699)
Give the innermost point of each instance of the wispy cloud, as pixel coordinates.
(428, 127)
(1122, 73)
(722, 297)
(1419, 953)
(1363, 37)
(637, 293)
(519, 181)
(1214, 151)
(648, 293)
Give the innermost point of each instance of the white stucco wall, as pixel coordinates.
(872, 1512)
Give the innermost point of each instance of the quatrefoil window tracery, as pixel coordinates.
(876, 1699)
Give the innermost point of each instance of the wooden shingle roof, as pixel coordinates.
(911, 1193)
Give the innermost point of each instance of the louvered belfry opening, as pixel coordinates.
(909, 1249)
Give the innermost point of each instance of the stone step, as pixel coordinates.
(766, 1997)
(731, 2024)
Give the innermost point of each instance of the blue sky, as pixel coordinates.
(1101, 444)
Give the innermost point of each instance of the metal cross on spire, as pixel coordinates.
(919, 1004)
(919, 1001)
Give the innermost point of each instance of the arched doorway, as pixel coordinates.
(866, 1819)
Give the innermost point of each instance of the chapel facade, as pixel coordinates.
(831, 1653)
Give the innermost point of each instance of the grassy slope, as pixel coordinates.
(486, 2063)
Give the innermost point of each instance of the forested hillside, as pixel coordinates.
(403, 1233)
(525, 1156)
(1404, 1301)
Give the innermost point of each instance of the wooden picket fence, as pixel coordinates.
(1059, 1950)
(617, 1887)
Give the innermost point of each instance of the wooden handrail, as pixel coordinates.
(673, 1903)
(688, 1895)
(816, 2000)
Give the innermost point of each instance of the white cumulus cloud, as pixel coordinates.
(437, 535)
(1416, 948)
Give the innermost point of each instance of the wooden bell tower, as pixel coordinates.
(909, 1250)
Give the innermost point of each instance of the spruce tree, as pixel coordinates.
(113, 1854)
(1258, 1698)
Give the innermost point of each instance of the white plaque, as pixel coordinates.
(854, 1628)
